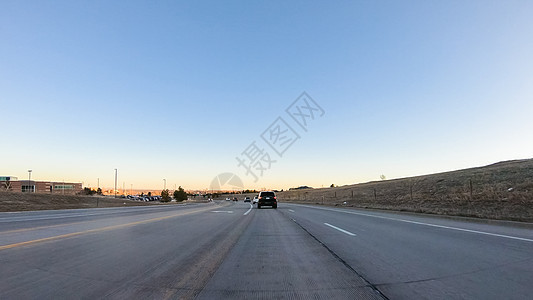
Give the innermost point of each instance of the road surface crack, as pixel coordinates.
(453, 275)
(368, 283)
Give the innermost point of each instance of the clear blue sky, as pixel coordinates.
(177, 90)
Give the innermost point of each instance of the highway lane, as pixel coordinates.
(409, 256)
(164, 253)
(11, 218)
(226, 250)
(30, 226)
(276, 259)
(168, 253)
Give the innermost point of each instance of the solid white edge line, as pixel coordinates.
(246, 213)
(340, 229)
(427, 224)
(291, 210)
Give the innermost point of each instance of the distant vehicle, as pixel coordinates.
(255, 200)
(227, 199)
(268, 199)
(235, 199)
(247, 199)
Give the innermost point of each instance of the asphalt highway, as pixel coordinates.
(227, 250)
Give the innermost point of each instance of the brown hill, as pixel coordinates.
(502, 190)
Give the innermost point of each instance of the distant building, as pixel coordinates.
(11, 183)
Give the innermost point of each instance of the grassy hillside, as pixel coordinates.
(499, 191)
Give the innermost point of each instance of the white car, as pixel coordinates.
(255, 200)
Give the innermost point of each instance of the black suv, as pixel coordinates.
(268, 199)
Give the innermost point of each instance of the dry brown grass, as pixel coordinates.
(11, 201)
(500, 191)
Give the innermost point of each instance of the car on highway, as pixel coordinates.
(247, 199)
(227, 199)
(235, 199)
(267, 198)
(255, 200)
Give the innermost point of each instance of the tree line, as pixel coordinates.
(179, 195)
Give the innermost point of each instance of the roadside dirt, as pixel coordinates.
(11, 201)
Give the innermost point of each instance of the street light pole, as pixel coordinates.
(165, 185)
(29, 179)
(116, 182)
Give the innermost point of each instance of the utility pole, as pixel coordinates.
(116, 171)
(131, 188)
(165, 184)
(29, 179)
